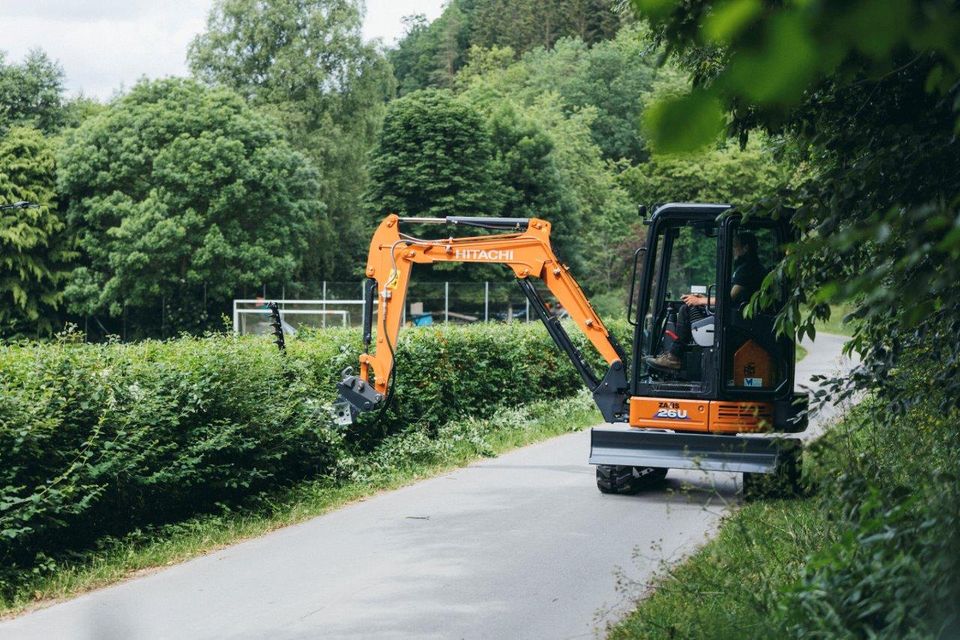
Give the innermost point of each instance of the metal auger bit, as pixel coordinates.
(277, 324)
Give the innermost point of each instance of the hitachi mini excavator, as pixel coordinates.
(726, 404)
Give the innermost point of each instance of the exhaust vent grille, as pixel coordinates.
(741, 417)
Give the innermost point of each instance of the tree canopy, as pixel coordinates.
(31, 92)
(611, 77)
(528, 24)
(434, 158)
(35, 250)
(431, 54)
(725, 174)
(441, 155)
(181, 195)
(306, 62)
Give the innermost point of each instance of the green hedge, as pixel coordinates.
(100, 440)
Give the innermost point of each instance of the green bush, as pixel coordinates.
(99, 440)
(890, 485)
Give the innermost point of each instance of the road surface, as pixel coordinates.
(521, 546)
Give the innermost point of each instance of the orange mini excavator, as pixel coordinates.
(723, 400)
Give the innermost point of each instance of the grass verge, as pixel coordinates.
(398, 461)
(727, 590)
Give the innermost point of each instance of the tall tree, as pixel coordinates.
(434, 158)
(441, 156)
(529, 182)
(414, 58)
(306, 61)
(34, 249)
(182, 195)
(431, 53)
(31, 92)
(600, 207)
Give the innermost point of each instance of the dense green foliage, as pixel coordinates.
(431, 53)
(725, 174)
(528, 178)
(433, 159)
(439, 156)
(612, 79)
(891, 569)
(307, 64)
(31, 93)
(873, 553)
(866, 94)
(180, 195)
(527, 24)
(100, 439)
(34, 250)
(540, 118)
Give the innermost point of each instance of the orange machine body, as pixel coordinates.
(701, 416)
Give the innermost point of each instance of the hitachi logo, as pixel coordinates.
(479, 254)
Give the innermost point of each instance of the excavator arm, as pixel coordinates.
(522, 244)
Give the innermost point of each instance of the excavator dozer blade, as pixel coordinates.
(647, 448)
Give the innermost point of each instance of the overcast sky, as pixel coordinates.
(104, 45)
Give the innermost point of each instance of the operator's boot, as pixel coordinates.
(666, 361)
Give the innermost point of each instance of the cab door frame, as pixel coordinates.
(670, 214)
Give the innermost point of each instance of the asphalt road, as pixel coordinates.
(521, 546)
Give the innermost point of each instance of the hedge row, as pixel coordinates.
(99, 440)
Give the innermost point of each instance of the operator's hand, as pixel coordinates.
(694, 299)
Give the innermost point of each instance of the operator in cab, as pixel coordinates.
(748, 275)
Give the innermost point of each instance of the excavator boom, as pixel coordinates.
(523, 245)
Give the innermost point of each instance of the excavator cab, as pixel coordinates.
(727, 403)
(722, 401)
(721, 349)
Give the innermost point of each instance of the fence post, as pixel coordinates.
(486, 302)
(446, 302)
(323, 315)
(527, 314)
(236, 319)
